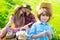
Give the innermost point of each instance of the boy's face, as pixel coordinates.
(44, 17)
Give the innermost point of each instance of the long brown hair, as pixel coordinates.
(18, 16)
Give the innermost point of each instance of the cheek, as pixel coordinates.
(47, 18)
(41, 18)
(17, 23)
(44, 18)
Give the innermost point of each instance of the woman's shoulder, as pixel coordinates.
(31, 15)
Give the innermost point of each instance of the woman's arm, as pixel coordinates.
(9, 23)
(4, 30)
(38, 8)
(26, 26)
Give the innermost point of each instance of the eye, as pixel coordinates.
(47, 15)
(43, 14)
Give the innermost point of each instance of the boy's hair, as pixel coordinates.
(46, 11)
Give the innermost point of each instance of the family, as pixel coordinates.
(25, 26)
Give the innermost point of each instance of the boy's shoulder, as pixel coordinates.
(36, 23)
(49, 26)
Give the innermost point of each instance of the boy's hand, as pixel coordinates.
(48, 32)
(43, 33)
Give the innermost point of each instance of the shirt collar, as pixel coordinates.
(40, 22)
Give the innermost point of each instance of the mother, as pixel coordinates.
(22, 16)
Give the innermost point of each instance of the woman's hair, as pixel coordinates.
(27, 6)
(46, 11)
(18, 16)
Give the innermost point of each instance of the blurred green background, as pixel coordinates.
(7, 9)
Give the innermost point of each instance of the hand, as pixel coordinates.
(26, 26)
(10, 34)
(43, 33)
(11, 18)
(49, 35)
(0, 39)
(21, 28)
(38, 8)
(48, 32)
(0, 33)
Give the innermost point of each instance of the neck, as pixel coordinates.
(43, 22)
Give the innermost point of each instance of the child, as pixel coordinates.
(41, 30)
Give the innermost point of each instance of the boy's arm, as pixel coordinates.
(39, 35)
(49, 35)
(32, 32)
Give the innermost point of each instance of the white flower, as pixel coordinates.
(21, 35)
(9, 33)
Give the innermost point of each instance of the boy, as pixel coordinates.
(41, 30)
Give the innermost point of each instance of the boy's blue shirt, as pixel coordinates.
(39, 27)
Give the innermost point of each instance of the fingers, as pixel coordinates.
(38, 8)
(11, 18)
(26, 26)
(48, 32)
(29, 23)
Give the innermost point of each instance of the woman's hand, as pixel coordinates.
(11, 18)
(10, 34)
(26, 26)
(9, 23)
(0, 39)
(0, 33)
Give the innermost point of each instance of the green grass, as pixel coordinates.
(7, 8)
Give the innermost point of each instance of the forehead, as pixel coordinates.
(42, 10)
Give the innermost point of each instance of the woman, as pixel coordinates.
(19, 19)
